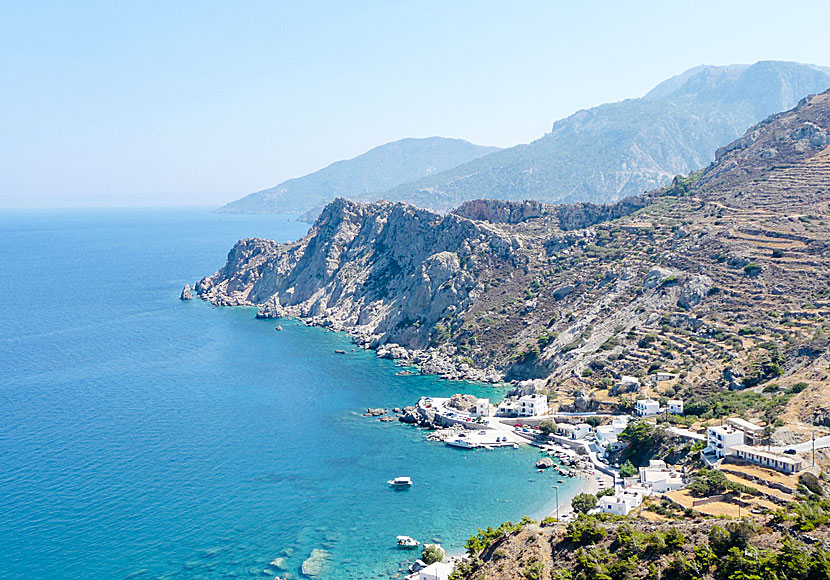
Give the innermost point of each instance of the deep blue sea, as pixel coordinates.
(144, 437)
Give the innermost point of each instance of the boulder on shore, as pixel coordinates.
(463, 403)
(544, 463)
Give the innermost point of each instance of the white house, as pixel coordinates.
(647, 407)
(777, 461)
(607, 434)
(508, 408)
(436, 571)
(483, 407)
(659, 478)
(533, 405)
(622, 502)
(606, 437)
(675, 407)
(581, 430)
(565, 430)
(721, 439)
(664, 376)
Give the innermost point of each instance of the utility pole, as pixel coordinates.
(813, 432)
(556, 487)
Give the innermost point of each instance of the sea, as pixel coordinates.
(145, 437)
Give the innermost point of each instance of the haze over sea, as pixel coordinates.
(145, 437)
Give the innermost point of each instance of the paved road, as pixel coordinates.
(821, 442)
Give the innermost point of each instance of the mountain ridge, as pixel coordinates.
(673, 129)
(381, 167)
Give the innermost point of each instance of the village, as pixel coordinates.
(586, 444)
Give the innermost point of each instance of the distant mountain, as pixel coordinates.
(621, 149)
(376, 170)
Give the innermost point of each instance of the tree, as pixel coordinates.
(584, 502)
(433, 553)
(628, 469)
(547, 427)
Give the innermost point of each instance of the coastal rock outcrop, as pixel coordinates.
(463, 403)
(187, 293)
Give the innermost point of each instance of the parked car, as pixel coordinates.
(790, 451)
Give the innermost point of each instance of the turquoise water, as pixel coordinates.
(145, 437)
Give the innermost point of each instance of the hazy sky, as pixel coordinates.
(196, 103)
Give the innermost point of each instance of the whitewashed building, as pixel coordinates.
(508, 408)
(436, 571)
(581, 430)
(661, 376)
(621, 503)
(675, 407)
(607, 435)
(483, 408)
(721, 439)
(647, 408)
(776, 461)
(533, 405)
(660, 478)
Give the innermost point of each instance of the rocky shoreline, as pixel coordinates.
(428, 361)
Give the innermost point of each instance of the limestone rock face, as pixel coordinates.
(187, 293)
(386, 272)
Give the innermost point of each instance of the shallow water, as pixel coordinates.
(145, 437)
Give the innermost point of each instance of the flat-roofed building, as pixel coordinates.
(754, 433)
(776, 461)
(721, 439)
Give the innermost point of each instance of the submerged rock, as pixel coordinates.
(315, 563)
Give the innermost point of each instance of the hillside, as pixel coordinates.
(376, 170)
(722, 277)
(621, 149)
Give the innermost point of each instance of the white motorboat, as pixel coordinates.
(400, 482)
(463, 443)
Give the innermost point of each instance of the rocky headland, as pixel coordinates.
(721, 277)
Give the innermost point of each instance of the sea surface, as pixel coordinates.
(144, 437)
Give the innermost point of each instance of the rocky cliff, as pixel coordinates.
(722, 277)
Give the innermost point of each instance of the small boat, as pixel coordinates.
(340, 351)
(278, 328)
(462, 443)
(400, 482)
(515, 446)
(407, 543)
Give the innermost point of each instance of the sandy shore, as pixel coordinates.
(590, 485)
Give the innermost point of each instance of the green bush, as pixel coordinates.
(628, 470)
(585, 530)
(584, 502)
(811, 482)
(433, 553)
